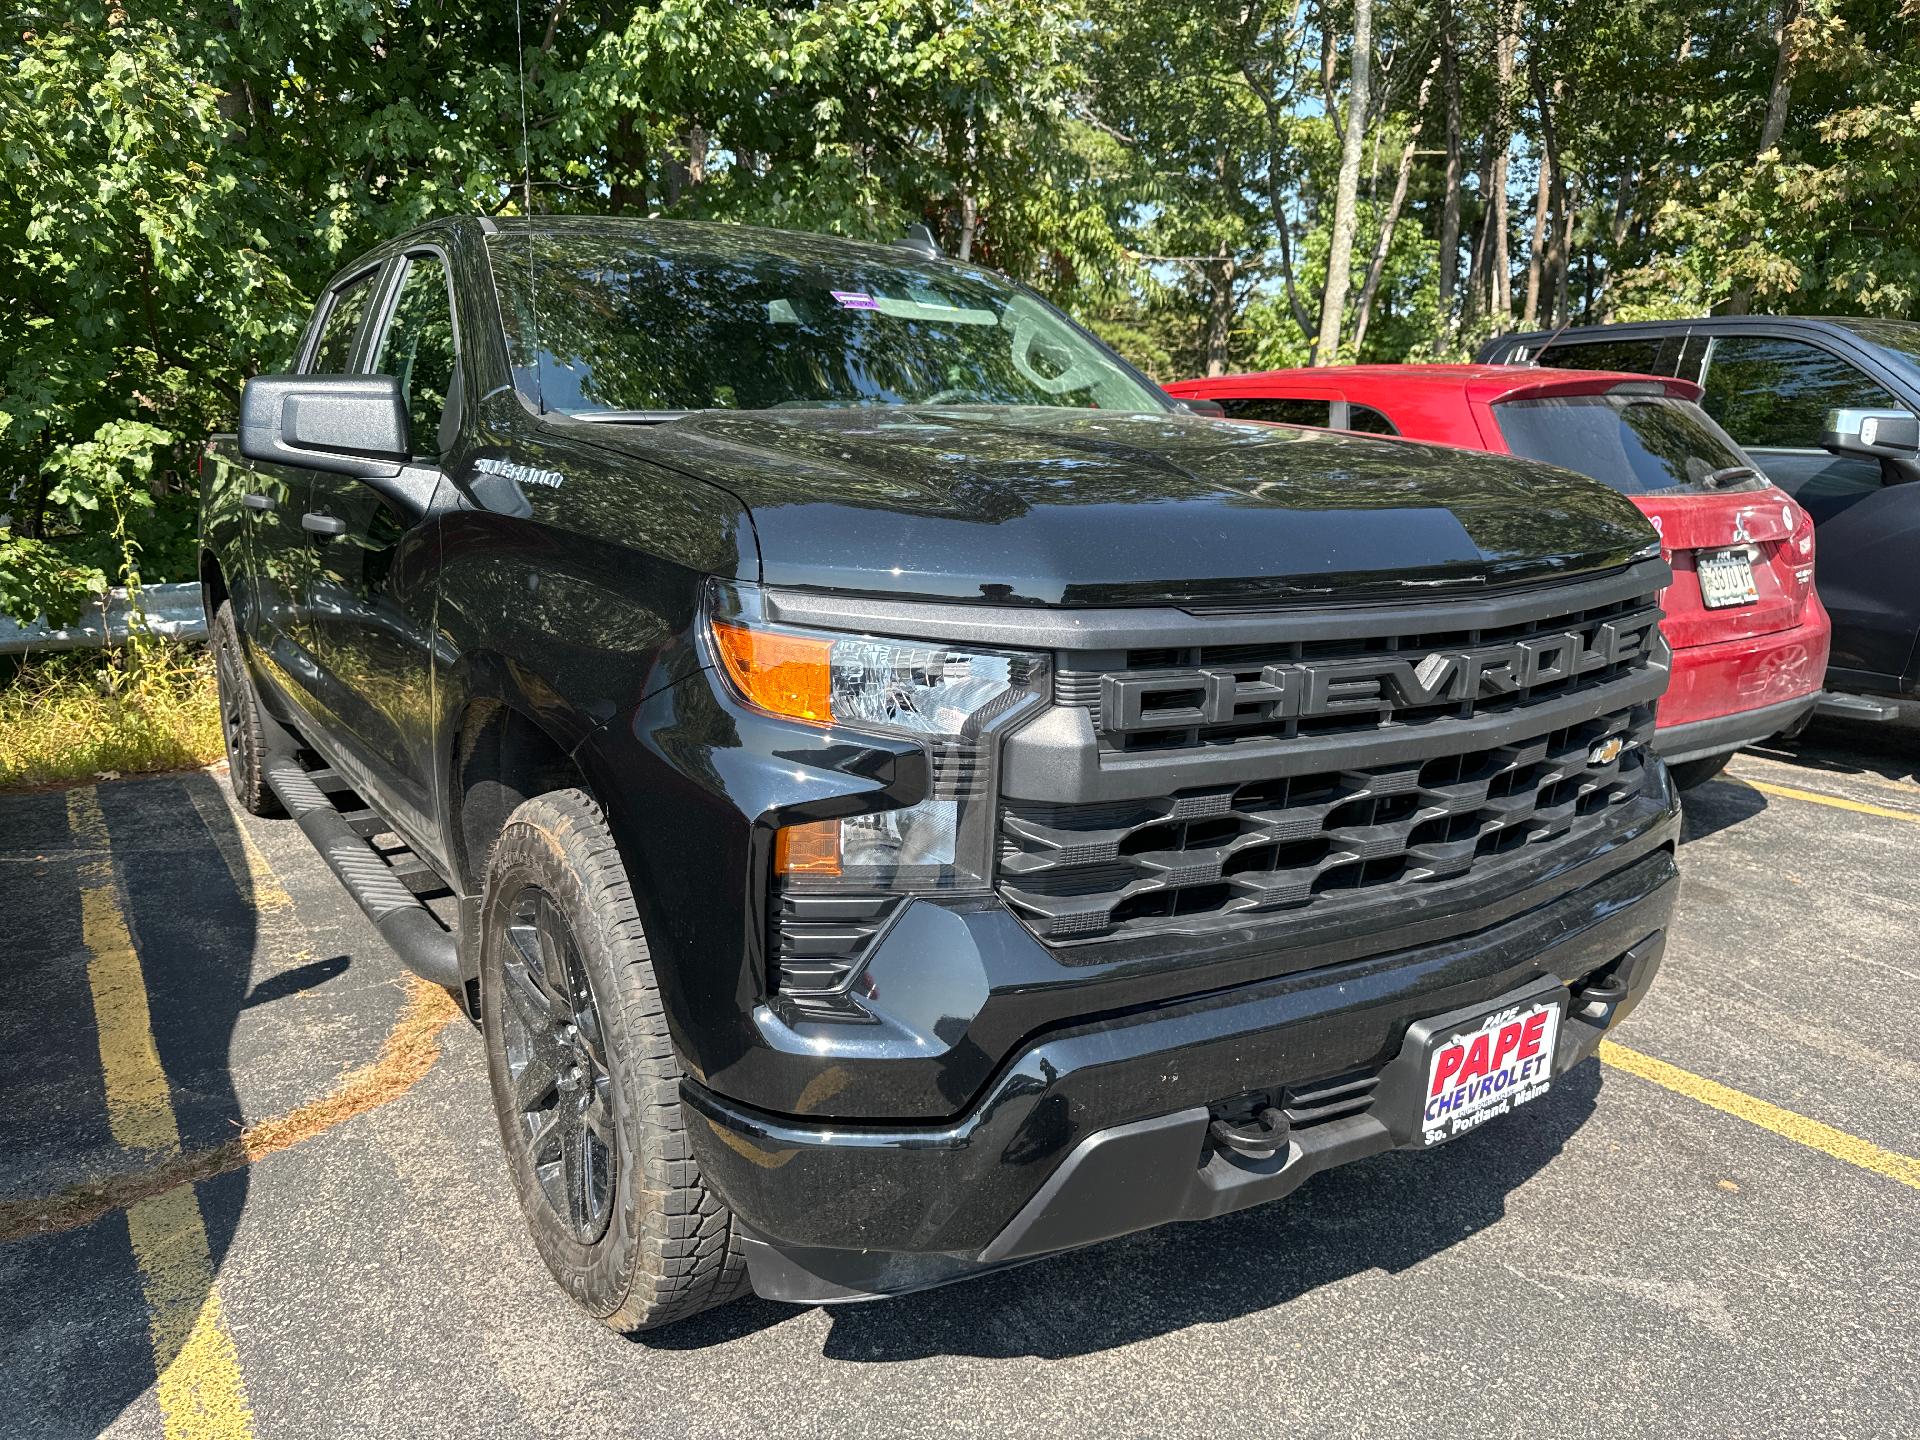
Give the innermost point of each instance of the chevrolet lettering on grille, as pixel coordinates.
(1376, 684)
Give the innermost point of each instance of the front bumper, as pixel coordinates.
(1101, 1127)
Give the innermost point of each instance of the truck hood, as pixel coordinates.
(1058, 506)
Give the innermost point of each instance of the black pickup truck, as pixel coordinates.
(898, 793)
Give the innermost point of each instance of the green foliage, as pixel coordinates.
(180, 181)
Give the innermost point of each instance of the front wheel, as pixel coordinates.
(242, 725)
(586, 1080)
(1691, 774)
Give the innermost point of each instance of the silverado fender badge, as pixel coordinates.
(525, 474)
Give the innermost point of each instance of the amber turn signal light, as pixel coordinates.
(809, 849)
(787, 674)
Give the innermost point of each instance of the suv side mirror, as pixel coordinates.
(1881, 434)
(1212, 409)
(351, 424)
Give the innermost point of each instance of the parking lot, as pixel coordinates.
(250, 1185)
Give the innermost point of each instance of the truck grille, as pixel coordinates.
(1183, 697)
(1316, 841)
(1327, 761)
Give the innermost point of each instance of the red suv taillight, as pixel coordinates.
(1793, 557)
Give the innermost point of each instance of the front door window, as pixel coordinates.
(418, 348)
(1769, 392)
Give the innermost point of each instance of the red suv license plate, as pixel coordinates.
(1478, 1072)
(1726, 579)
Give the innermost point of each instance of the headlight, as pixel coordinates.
(953, 699)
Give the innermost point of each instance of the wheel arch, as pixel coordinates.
(213, 583)
(501, 753)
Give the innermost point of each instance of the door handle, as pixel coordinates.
(257, 501)
(318, 522)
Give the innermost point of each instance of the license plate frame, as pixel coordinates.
(1494, 1062)
(1726, 578)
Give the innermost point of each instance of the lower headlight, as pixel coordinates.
(955, 700)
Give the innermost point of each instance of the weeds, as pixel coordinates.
(150, 706)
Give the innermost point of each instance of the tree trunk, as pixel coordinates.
(1333, 301)
(1476, 281)
(1779, 98)
(969, 222)
(1376, 267)
(1297, 306)
(627, 185)
(1450, 201)
(1536, 249)
(1557, 192)
(1618, 229)
(1219, 337)
(1500, 275)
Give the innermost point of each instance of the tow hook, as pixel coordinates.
(1597, 997)
(1256, 1138)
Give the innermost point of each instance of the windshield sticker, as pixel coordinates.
(856, 300)
(938, 311)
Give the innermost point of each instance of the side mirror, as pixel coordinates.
(350, 424)
(1878, 434)
(1211, 409)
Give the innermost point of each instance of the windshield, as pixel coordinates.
(715, 319)
(1638, 444)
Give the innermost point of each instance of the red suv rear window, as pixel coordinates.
(1639, 444)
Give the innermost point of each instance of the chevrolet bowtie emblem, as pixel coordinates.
(1607, 751)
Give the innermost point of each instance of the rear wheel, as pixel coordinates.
(241, 723)
(1690, 774)
(586, 1079)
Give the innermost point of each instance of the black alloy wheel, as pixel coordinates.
(556, 1061)
(586, 1077)
(243, 726)
(232, 689)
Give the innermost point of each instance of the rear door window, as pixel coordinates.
(1278, 411)
(1369, 421)
(1638, 444)
(333, 353)
(1638, 355)
(1771, 392)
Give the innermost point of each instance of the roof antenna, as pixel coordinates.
(1551, 339)
(526, 202)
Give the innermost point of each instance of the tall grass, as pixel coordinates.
(149, 707)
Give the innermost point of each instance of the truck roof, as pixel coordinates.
(1484, 383)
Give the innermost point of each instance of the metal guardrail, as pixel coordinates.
(173, 611)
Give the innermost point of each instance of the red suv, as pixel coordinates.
(1748, 633)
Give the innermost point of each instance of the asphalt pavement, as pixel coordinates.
(250, 1186)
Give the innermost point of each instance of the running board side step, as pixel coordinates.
(1839, 705)
(404, 922)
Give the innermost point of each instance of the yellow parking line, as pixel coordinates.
(412, 1048)
(1787, 792)
(1785, 1123)
(253, 874)
(197, 1368)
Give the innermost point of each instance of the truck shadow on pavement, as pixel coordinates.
(159, 866)
(1718, 805)
(1889, 749)
(1387, 1213)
